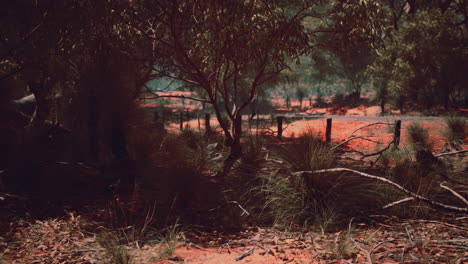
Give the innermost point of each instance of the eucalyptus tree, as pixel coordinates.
(224, 49)
(351, 34)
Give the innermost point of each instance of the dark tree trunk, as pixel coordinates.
(235, 146)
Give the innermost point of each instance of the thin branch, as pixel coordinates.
(365, 137)
(378, 152)
(398, 202)
(451, 153)
(463, 199)
(396, 185)
(178, 96)
(368, 125)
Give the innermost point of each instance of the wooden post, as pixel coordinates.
(207, 123)
(181, 121)
(396, 136)
(280, 126)
(328, 131)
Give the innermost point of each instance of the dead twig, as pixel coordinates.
(389, 182)
(245, 254)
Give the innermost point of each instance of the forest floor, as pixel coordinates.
(72, 239)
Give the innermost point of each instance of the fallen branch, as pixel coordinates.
(451, 153)
(454, 193)
(398, 202)
(240, 206)
(387, 181)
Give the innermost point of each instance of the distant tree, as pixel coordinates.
(300, 94)
(351, 35)
(426, 59)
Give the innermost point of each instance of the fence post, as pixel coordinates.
(328, 131)
(207, 123)
(396, 136)
(280, 126)
(181, 121)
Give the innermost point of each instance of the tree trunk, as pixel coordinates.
(234, 144)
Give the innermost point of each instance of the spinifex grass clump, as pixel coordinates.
(293, 198)
(115, 251)
(308, 152)
(323, 199)
(419, 137)
(456, 131)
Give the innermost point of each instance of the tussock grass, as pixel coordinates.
(419, 137)
(131, 225)
(117, 253)
(456, 130)
(168, 239)
(291, 198)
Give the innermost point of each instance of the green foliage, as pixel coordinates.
(357, 27)
(424, 59)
